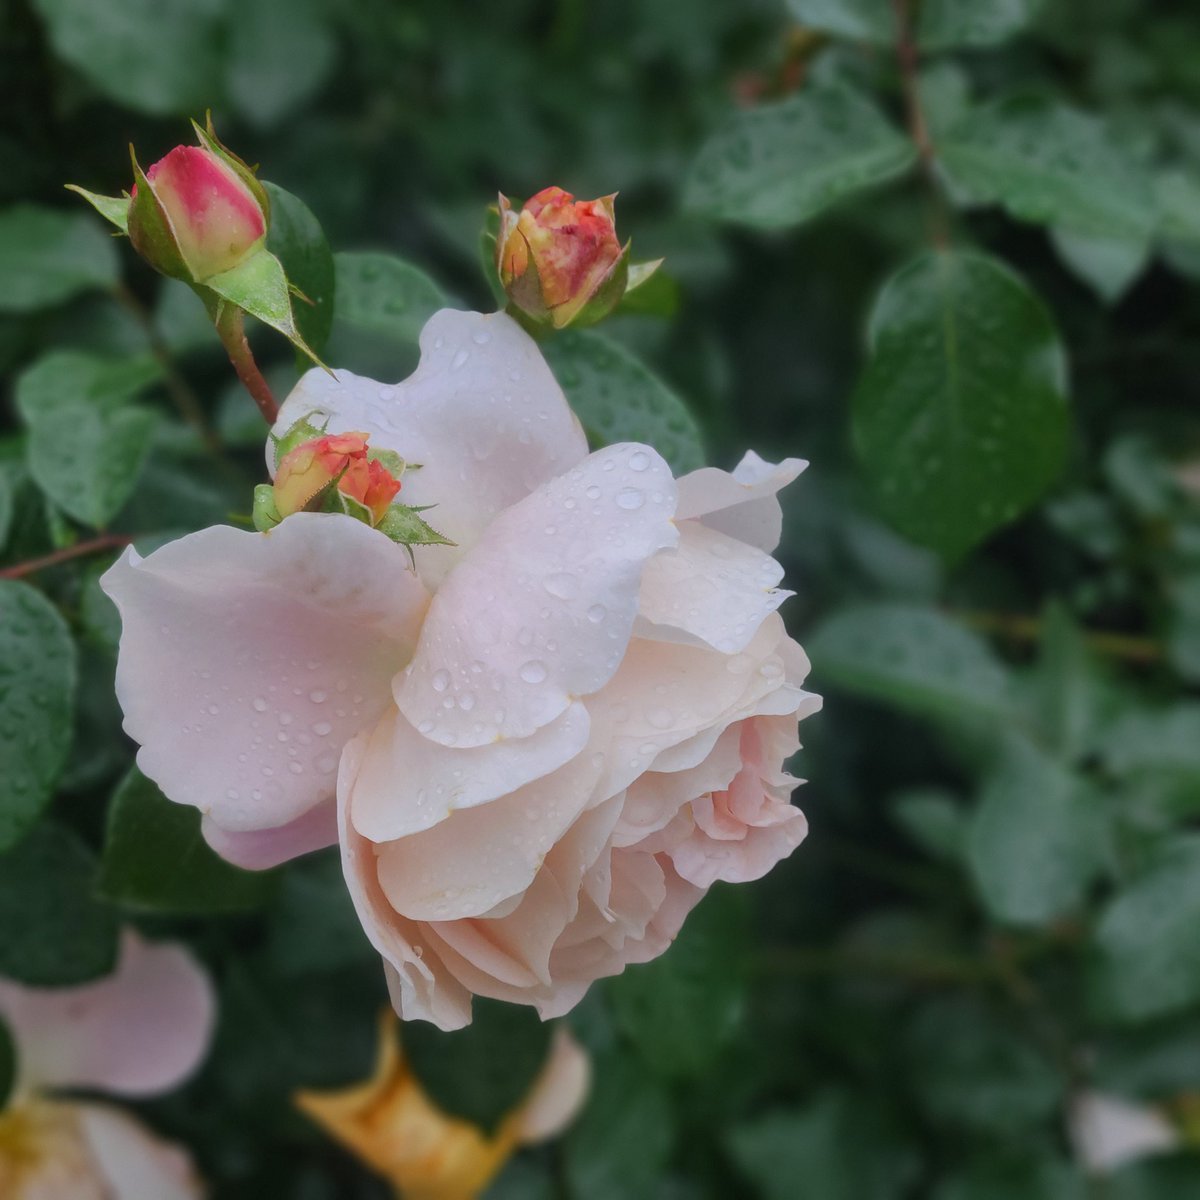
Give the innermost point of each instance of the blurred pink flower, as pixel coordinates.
(547, 742)
(138, 1032)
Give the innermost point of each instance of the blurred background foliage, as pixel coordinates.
(952, 256)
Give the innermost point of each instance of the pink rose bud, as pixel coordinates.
(559, 259)
(339, 461)
(207, 219)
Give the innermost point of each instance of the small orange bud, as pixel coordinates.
(337, 461)
(559, 259)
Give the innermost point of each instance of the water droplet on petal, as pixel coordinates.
(630, 498)
(440, 680)
(533, 671)
(561, 584)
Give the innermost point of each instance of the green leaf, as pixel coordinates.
(37, 693)
(1068, 692)
(1029, 1177)
(1156, 740)
(1178, 196)
(619, 399)
(48, 256)
(8, 1064)
(312, 926)
(154, 56)
(87, 443)
(1156, 1179)
(155, 858)
(961, 415)
(297, 240)
(258, 286)
(860, 20)
(1147, 952)
(913, 658)
(1036, 838)
(703, 975)
(618, 1148)
(935, 820)
(52, 931)
(780, 164)
(972, 1072)
(948, 24)
(839, 1146)
(482, 1072)
(1108, 265)
(1052, 164)
(280, 52)
(385, 295)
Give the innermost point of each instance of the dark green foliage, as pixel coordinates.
(979, 321)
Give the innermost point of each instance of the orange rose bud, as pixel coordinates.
(206, 218)
(559, 259)
(371, 484)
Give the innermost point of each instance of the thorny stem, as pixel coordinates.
(108, 541)
(1125, 646)
(186, 402)
(909, 60)
(231, 329)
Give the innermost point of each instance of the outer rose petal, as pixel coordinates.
(407, 783)
(741, 504)
(482, 414)
(1109, 1131)
(261, 849)
(558, 1092)
(479, 857)
(540, 611)
(712, 589)
(140, 1031)
(133, 1162)
(249, 659)
(417, 992)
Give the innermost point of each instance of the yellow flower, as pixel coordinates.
(390, 1123)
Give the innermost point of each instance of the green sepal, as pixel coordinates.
(403, 524)
(111, 208)
(392, 462)
(339, 502)
(150, 229)
(258, 286)
(266, 514)
(302, 431)
(207, 136)
(649, 292)
(639, 273)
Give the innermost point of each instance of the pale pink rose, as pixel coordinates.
(1108, 1131)
(138, 1032)
(547, 742)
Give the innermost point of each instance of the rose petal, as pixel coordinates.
(416, 992)
(248, 659)
(137, 1032)
(741, 504)
(482, 414)
(406, 783)
(558, 1092)
(135, 1164)
(540, 611)
(261, 849)
(478, 857)
(711, 589)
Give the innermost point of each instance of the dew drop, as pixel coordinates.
(322, 728)
(295, 768)
(440, 680)
(425, 726)
(592, 492)
(639, 460)
(533, 671)
(630, 498)
(260, 705)
(597, 613)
